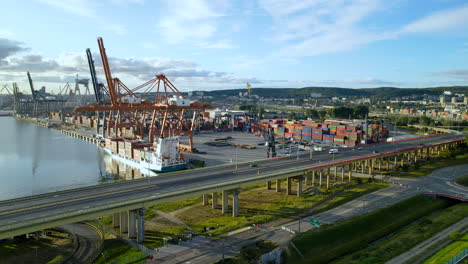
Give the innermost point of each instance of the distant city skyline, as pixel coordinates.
(208, 45)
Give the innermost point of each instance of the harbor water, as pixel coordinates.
(35, 160)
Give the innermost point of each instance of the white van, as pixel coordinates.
(333, 151)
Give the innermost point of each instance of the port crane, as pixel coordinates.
(6, 88)
(41, 102)
(158, 98)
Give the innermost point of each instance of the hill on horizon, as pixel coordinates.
(328, 92)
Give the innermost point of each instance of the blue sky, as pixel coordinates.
(205, 45)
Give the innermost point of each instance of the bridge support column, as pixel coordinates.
(299, 186)
(268, 185)
(387, 164)
(288, 186)
(362, 167)
(214, 200)
(320, 179)
(313, 178)
(141, 225)
(336, 173)
(350, 172)
(123, 222)
(342, 173)
(328, 177)
(395, 162)
(224, 204)
(278, 185)
(205, 199)
(132, 223)
(379, 164)
(370, 167)
(235, 203)
(116, 220)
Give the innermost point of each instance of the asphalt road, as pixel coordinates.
(35, 209)
(205, 251)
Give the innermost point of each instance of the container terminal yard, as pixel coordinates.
(157, 142)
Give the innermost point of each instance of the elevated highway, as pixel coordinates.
(126, 200)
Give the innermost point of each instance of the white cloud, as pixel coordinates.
(84, 8)
(193, 22)
(458, 74)
(5, 33)
(456, 18)
(221, 44)
(318, 27)
(116, 29)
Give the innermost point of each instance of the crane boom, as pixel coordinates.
(92, 70)
(107, 72)
(32, 87)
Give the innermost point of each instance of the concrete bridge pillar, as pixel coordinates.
(116, 220)
(350, 172)
(224, 204)
(328, 177)
(268, 185)
(342, 173)
(396, 161)
(235, 203)
(362, 167)
(123, 222)
(214, 200)
(299, 186)
(402, 162)
(132, 223)
(205, 199)
(336, 173)
(387, 165)
(320, 179)
(379, 164)
(370, 167)
(313, 178)
(288, 186)
(278, 185)
(141, 224)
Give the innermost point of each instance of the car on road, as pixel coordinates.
(253, 165)
(359, 148)
(333, 151)
(375, 151)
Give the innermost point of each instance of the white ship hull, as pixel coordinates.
(143, 165)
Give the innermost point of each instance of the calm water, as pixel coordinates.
(35, 160)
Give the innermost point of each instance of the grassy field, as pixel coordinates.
(322, 245)
(408, 237)
(117, 251)
(463, 180)
(51, 249)
(260, 206)
(425, 168)
(448, 252)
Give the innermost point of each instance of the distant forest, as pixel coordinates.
(328, 92)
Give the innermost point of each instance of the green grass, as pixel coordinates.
(449, 251)
(117, 251)
(259, 206)
(425, 168)
(154, 239)
(351, 194)
(176, 205)
(463, 180)
(46, 249)
(408, 237)
(324, 244)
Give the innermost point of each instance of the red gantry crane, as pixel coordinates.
(128, 107)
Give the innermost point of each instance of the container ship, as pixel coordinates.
(161, 156)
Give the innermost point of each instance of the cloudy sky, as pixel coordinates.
(221, 44)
